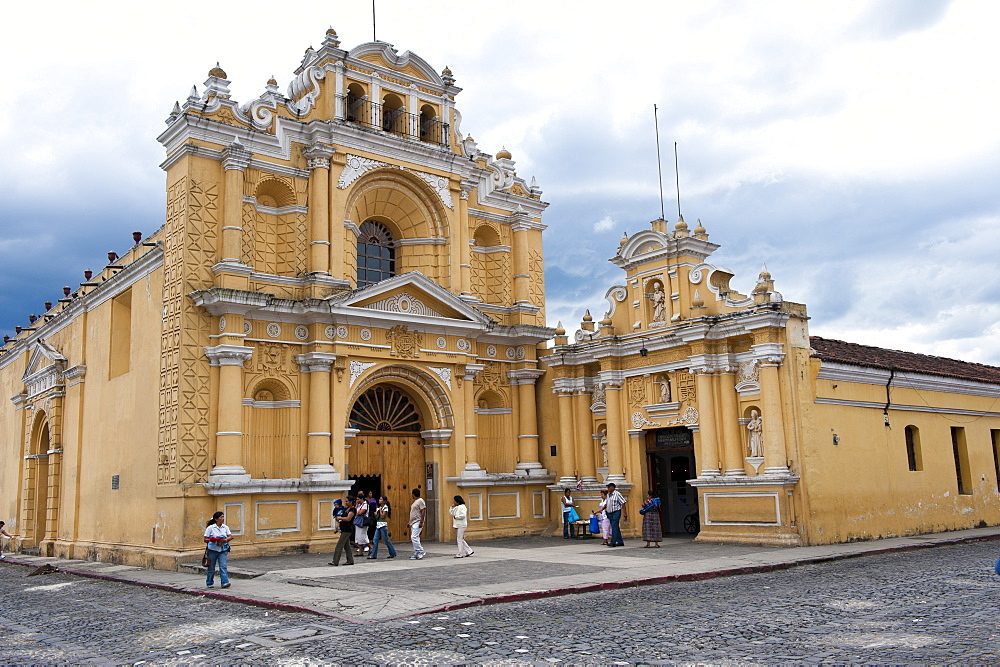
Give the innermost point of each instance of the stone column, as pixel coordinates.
(235, 160)
(520, 224)
(527, 418)
(318, 156)
(732, 440)
(708, 456)
(229, 438)
(616, 431)
(471, 467)
(586, 463)
(775, 454)
(319, 438)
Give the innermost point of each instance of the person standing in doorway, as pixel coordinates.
(460, 521)
(345, 524)
(418, 514)
(567, 509)
(217, 537)
(616, 503)
(382, 513)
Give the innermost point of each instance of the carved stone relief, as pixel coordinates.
(405, 343)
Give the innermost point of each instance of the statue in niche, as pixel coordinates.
(756, 429)
(604, 448)
(659, 299)
(664, 389)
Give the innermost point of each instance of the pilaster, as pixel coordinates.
(229, 438)
(319, 438)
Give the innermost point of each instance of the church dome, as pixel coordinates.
(217, 72)
(504, 154)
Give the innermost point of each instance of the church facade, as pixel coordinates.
(348, 294)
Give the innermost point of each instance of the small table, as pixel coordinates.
(580, 530)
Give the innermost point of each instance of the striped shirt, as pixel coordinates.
(615, 501)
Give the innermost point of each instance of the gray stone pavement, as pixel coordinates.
(500, 571)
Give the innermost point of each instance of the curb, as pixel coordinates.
(526, 595)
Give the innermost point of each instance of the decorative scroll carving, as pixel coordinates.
(598, 396)
(271, 359)
(304, 89)
(639, 420)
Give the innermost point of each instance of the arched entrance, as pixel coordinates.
(37, 482)
(387, 455)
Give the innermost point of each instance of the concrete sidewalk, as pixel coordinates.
(500, 571)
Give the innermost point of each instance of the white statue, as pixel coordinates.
(664, 389)
(756, 428)
(604, 447)
(659, 299)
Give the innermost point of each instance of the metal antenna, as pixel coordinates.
(677, 176)
(659, 169)
(373, 22)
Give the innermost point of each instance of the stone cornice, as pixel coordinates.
(839, 372)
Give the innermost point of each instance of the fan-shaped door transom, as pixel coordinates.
(384, 408)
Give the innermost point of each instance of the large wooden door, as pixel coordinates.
(387, 456)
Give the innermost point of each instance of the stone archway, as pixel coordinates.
(387, 454)
(387, 423)
(36, 482)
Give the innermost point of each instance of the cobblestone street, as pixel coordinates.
(934, 605)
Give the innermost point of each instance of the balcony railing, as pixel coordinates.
(396, 121)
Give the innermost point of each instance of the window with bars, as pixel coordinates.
(376, 253)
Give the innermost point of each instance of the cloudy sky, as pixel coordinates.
(851, 146)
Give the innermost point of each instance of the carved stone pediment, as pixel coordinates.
(45, 369)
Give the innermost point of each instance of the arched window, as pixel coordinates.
(376, 254)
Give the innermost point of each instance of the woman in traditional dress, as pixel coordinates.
(652, 529)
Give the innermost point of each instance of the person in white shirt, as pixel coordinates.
(567, 505)
(217, 537)
(460, 521)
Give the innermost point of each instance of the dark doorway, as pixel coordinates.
(670, 460)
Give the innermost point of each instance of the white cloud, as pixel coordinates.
(605, 224)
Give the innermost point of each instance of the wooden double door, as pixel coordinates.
(389, 464)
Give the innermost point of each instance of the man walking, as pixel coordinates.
(344, 516)
(616, 502)
(418, 513)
